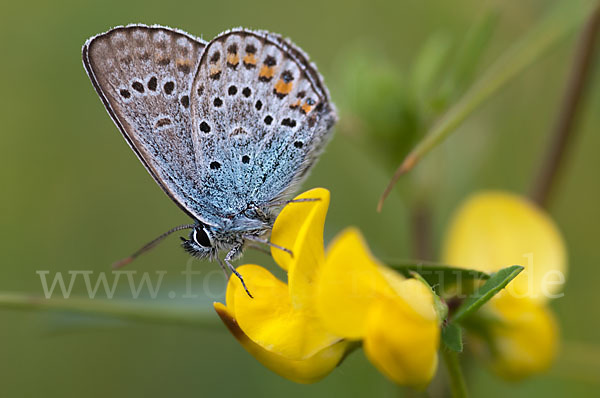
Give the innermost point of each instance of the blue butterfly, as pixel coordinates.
(228, 128)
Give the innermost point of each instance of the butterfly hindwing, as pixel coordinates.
(144, 76)
(260, 116)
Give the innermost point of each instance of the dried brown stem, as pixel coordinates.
(421, 230)
(563, 130)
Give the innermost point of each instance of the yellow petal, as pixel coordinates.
(271, 321)
(401, 343)
(308, 370)
(525, 338)
(295, 221)
(492, 230)
(347, 284)
(415, 293)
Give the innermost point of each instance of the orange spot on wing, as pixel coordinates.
(183, 65)
(306, 108)
(214, 70)
(183, 62)
(233, 59)
(249, 59)
(295, 104)
(282, 87)
(266, 72)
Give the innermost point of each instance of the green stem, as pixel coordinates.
(458, 387)
(120, 309)
(561, 21)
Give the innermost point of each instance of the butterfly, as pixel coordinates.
(227, 128)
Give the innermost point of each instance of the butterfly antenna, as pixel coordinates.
(150, 245)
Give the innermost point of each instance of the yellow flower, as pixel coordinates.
(525, 337)
(301, 371)
(492, 230)
(279, 325)
(359, 298)
(302, 329)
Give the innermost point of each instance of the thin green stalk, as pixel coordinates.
(458, 387)
(558, 24)
(121, 309)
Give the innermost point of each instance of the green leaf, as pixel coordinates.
(560, 22)
(490, 288)
(522, 54)
(437, 275)
(469, 55)
(452, 337)
(429, 64)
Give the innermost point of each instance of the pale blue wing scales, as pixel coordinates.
(144, 76)
(261, 115)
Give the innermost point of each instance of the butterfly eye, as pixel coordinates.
(201, 237)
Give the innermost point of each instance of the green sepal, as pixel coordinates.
(452, 337)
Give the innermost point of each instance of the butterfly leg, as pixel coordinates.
(286, 202)
(227, 260)
(224, 268)
(268, 243)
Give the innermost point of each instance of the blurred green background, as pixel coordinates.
(76, 198)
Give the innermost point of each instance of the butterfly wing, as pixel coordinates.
(144, 74)
(260, 116)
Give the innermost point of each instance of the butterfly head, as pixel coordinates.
(206, 241)
(201, 242)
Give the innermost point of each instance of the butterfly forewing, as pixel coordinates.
(260, 115)
(144, 76)
(221, 127)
